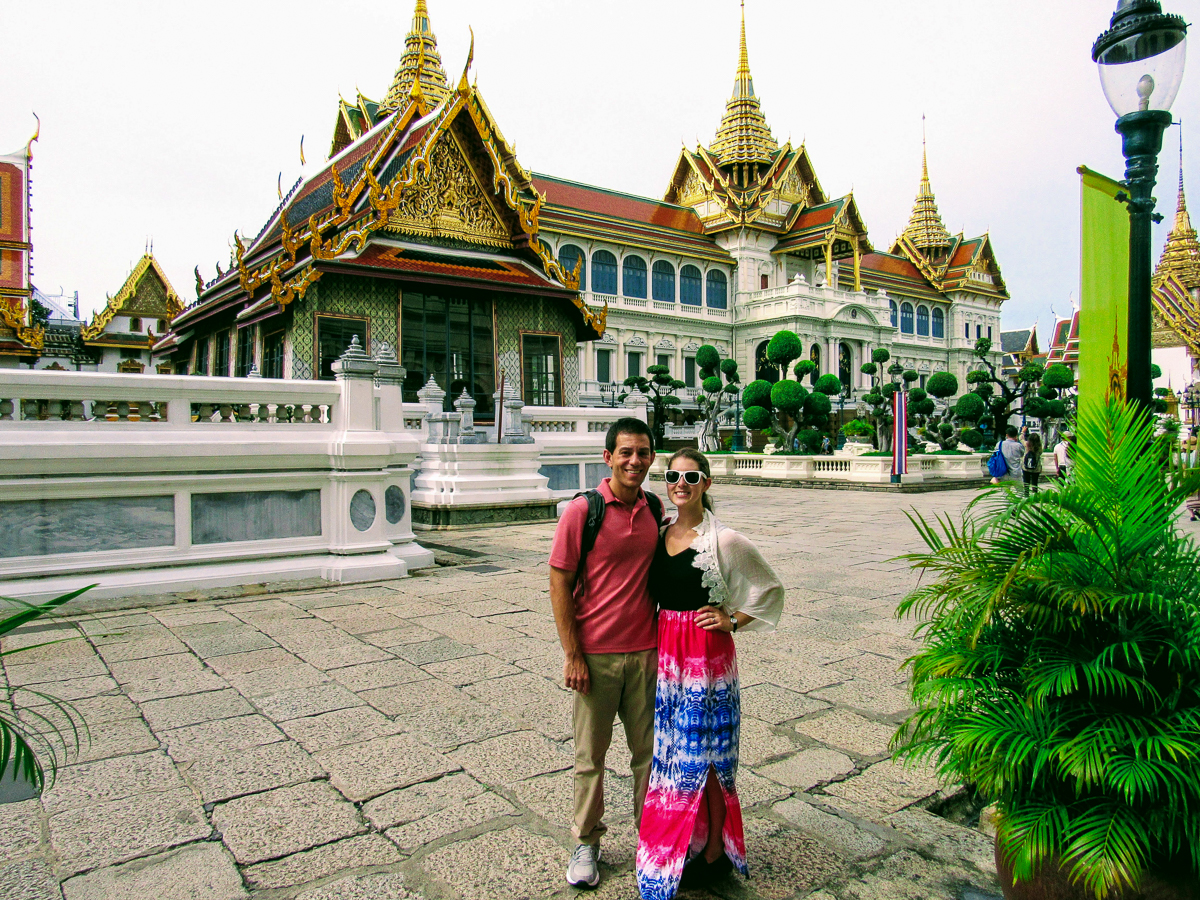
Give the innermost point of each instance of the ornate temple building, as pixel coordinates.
(20, 338)
(422, 231)
(1176, 336)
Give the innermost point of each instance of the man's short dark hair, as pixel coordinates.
(1011, 431)
(626, 425)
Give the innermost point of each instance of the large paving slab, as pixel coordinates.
(411, 739)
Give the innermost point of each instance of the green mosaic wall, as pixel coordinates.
(517, 314)
(347, 295)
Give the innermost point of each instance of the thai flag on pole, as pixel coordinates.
(900, 433)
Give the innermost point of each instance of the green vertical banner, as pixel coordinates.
(1103, 289)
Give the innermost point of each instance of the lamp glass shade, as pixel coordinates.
(1144, 70)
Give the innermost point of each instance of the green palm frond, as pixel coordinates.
(1060, 666)
(31, 742)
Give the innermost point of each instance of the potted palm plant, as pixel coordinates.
(31, 736)
(1060, 673)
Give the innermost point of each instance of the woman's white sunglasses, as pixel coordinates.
(692, 476)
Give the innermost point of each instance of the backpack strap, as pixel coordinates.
(656, 507)
(596, 507)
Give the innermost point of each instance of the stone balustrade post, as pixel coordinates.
(509, 424)
(355, 373)
(465, 405)
(431, 397)
(389, 385)
(636, 402)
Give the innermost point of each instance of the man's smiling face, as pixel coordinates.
(631, 460)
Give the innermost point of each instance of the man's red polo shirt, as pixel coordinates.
(612, 601)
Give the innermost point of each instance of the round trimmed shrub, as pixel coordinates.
(788, 396)
(1037, 407)
(916, 395)
(972, 437)
(942, 385)
(1058, 376)
(657, 370)
(880, 355)
(1047, 393)
(757, 418)
(729, 366)
(817, 404)
(970, 407)
(828, 384)
(804, 368)
(924, 407)
(977, 376)
(945, 429)
(1058, 409)
(784, 347)
(711, 384)
(890, 388)
(873, 399)
(869, 368)
(810, 439)
(757, 393)
(707, 357)
(909, 376)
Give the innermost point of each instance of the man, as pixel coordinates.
(606, 625)
(1012, 450)
(1062, 456)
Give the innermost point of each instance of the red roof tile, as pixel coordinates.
(490, 271)
(598, 201)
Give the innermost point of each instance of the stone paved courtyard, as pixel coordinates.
(410, 739)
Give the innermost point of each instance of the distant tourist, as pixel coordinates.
(598, 588)
(709, 582)
(1062, 456)
(1013, 452)
(1031, 464)
(1193, 502)
(826, 445)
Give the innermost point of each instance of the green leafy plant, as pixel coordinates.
(658, 390)
(1060, 672)
(31, 742)
(715, 395)
(857, 428)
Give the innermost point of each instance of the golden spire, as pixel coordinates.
(419, 63)
(925, 229)
(744, 136)
(1181, 255)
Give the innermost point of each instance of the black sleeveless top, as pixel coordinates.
(675, 583)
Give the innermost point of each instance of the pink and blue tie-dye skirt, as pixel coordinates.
(697, 713)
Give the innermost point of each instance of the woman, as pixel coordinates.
(709, 582)
(1031, 464)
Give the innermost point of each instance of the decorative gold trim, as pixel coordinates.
(93, 330)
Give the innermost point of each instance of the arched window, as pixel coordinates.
(845, 363)
(135, 324)
(892, 304)
(604, 272)
(764, 369)
(716, 290)
(906, 318)
(923, 320)
(939, 323)
(663, 287)
(690, 286)
(568, 257)
(633, 277)
(815, 355)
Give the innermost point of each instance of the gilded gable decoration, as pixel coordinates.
(445, 200)
(146, 292)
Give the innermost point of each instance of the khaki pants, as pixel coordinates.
(621, 684)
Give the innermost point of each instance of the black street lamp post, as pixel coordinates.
(1141, 59)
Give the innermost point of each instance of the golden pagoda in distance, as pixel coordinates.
(1181, 254)
(925, 230)
(420, 62)
(1176, 283)
(743, 136)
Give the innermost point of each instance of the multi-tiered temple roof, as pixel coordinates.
(1177, 281)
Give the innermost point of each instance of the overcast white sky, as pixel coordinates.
(172, 121)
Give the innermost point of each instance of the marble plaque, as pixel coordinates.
(394, 504)
(362, 510)
(84, 525)
(562, 477)
(255, 516)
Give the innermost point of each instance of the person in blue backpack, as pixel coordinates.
(1012, 452)
(1031, 464)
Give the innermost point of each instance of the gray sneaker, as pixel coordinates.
(582, 870)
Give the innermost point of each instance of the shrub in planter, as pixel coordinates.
(1060, 672)
(856, 428)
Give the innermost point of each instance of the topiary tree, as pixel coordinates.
(940, 428)
(784, 347)
(879, 399)
(657, 388)
(804, 369)
(715, 394)
(776, 406)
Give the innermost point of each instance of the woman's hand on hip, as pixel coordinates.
(710, 618)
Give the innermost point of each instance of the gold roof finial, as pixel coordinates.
(1181, 255)
(420, 62)
(925, 228)
(744, 136)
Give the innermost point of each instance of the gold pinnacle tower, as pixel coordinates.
(744, 136)
(420, 67)
(1181, 254)
(925, 230)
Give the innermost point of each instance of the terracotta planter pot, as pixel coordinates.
(1052, 883)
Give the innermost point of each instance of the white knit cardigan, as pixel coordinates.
(736, 575)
